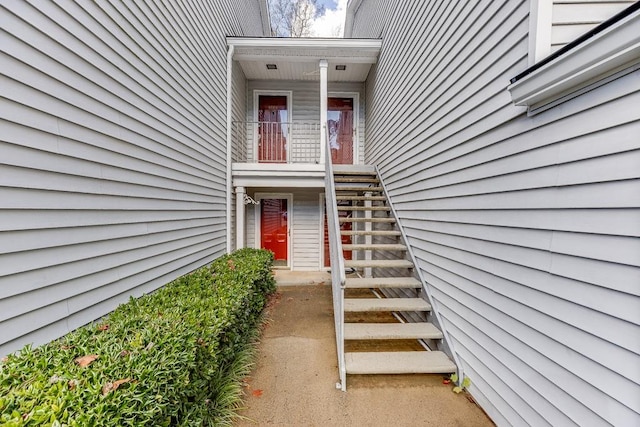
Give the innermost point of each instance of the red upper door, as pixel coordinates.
(341, 130)
(274, 229)
(272, 129)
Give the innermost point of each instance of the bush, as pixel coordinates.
(161, 360)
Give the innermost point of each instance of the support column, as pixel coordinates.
(323, 109)
(240, 215)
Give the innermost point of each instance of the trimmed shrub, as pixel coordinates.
(160, 360)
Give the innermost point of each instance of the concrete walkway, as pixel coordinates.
(293, 383)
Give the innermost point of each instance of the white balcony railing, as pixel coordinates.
(276, 142)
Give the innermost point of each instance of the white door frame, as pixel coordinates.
(356, 119)
(258, 236)
(256, 95)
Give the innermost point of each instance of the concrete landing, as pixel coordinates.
(294, 278)
(293, 383)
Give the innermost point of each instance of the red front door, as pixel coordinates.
(274, 229)
(272, 129)
(341, 130)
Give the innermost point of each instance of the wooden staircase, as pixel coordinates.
(383, 306)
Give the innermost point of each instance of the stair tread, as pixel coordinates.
(362, 188)
(375, 246)
(367, 220)
(385, 304)
(364, 208)
(390, 331)
(382, 282)
(363, 198)
(403, 362)
(355, 179)
(354, 170)
(370, 232)
(378, 263)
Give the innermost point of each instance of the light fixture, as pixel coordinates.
(341, 67)
(272, 67)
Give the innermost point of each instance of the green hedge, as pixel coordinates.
(163, 359)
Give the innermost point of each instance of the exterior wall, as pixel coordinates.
(112, 152)
(372, 17)
(572, 18)
(525, 228)
(305, 229)
(306, 104)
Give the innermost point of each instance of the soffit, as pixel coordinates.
(298, 59)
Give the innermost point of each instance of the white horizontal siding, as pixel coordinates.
(572, 18)
(112, 154)
(306, 104)
(526, 229)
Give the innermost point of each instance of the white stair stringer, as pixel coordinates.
(378, 254)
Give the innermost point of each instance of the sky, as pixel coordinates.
(332, 22)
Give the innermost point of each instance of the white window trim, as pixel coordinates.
(614, 51)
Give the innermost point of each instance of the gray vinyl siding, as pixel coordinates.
(372, 16)
(305, 229)
(525, 228)
(112, 154)
(572, 18)
(305, 104)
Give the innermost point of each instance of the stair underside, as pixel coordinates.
(391, 331)
(382, 282)
(378, 263)
(375, 247)
(359, 305)
(405, 362)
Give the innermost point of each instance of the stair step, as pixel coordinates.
(375, 247)
(358, 305)
(370, 233)
(378, 263)
(364, 208)
(382, 282)
(367, 220)
(402, 362)
(359, 188)
(363, 198)
(391, 331)
(354, 170)
(354, 179)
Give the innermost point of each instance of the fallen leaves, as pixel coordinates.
(257, 393)
(87, 360)
(112, 386)
(103, 327)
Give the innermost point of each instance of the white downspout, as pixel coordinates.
(323, 108)
(229, 148)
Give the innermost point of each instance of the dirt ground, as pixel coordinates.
(293, 383)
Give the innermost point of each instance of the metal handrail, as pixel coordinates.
(277, 142)
(338, 276)
(425, 285)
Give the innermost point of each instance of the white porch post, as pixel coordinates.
(323, 108)
(240, 213)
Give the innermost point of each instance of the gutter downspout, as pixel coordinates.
(229, 150)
